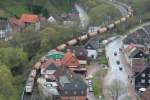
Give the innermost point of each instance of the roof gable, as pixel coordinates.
(29, 18)
(70, 60)
(93, 44)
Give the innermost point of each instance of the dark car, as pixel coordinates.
(118, 62)
(120, 68)
(115, 53)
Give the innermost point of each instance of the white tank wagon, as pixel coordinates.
(83, 37)
(92, 34)
(61, 47)
(29, 85)
(123, 19)
(37, 65)
(72, 42)
(103, 29)
(111, 26)
(117, 22)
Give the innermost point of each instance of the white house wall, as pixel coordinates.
(92, 53)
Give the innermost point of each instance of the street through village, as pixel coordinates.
(114, 73)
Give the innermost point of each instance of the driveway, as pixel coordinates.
(92, 69)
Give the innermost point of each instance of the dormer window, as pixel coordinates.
(74, 92)
(142, 80)
(66, 92)
(82, 92)
(143, 75)
(81, 53)
(149, 81)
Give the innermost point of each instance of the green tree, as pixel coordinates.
(13, 57)
(7, 90)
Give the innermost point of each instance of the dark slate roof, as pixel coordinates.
(147, 28)
(51, 67)
(137, 37)
(76, 84)
(93, 43)
(80, 52)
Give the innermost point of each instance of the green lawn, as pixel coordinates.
(98, 82)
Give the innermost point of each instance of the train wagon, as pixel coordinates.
(33, 73)
(29, 85)
(37, 65)
(61, 47)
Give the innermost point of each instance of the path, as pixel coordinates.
(83, 16)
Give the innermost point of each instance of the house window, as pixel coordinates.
(143, 81)
(149, 81)
(75, 98)
(148, 75)
(82, 92)
(75, 92)
(143, 75)
(66, 92)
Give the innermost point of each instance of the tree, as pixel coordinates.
(116, 89)
(7, 90)
(13, 57)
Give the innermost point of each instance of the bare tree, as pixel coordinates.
(116, 89)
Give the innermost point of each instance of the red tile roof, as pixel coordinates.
(70, 60)
(29, 18)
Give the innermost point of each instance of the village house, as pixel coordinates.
(30, 19)
(16, 24)
(5, 29)
(51, 19)
(71, 62)
(142, 80)
(81, 54)
(92, 46)
(132, 51)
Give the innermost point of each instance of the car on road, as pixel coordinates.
(115, 53)
(118, 62)
(120, 68)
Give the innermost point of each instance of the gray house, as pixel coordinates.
(92, 46)
(5, 29)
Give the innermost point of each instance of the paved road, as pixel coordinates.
(114, 72)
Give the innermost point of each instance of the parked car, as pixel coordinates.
(115, 53)
(120, 68)
(118, 62)
(90, 89)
